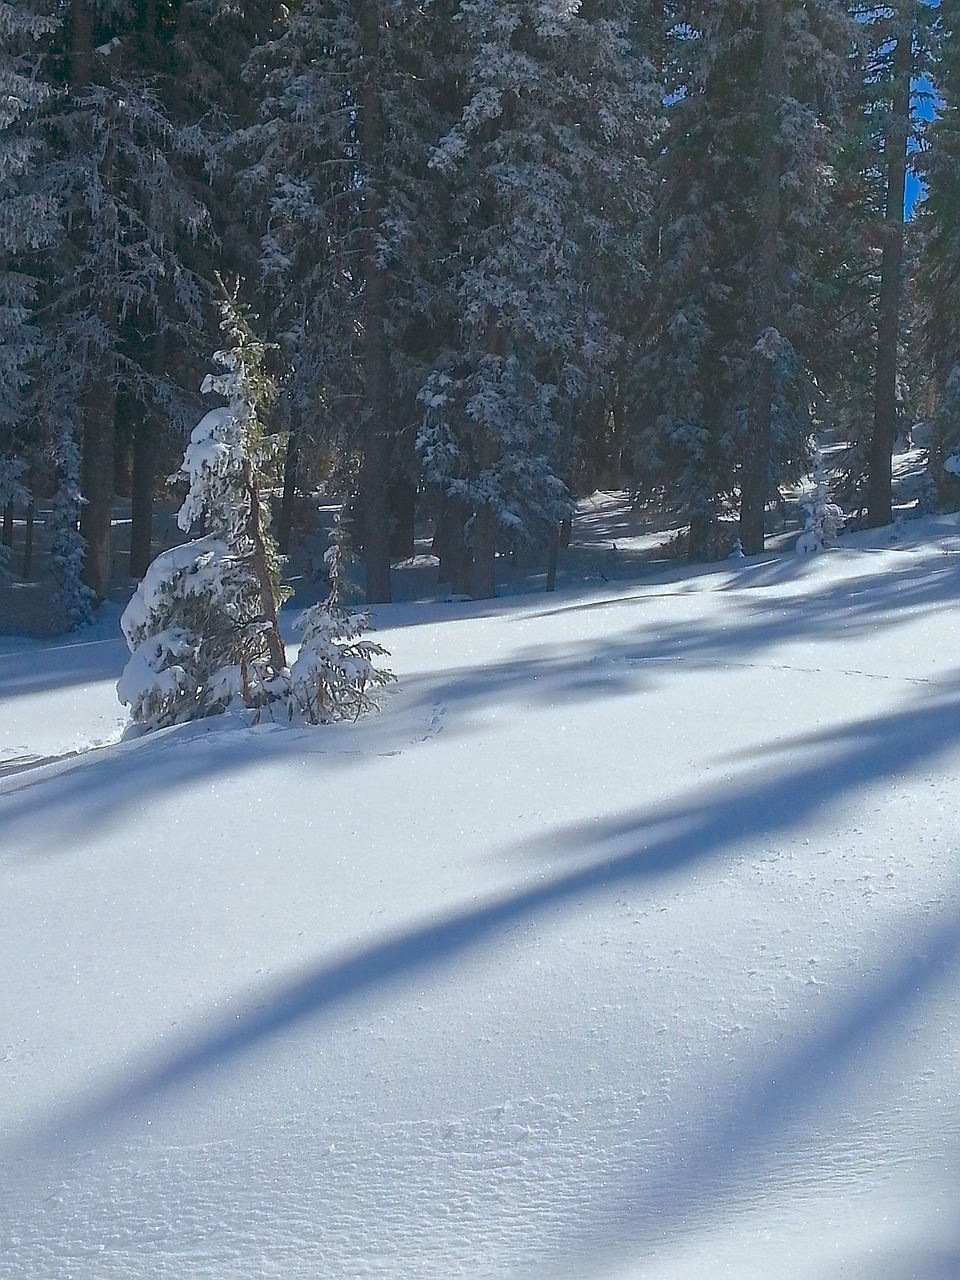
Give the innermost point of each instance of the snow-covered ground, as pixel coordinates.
(625, 943)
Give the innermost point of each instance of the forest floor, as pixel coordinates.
(624, 943)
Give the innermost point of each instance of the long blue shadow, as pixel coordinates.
(637, 850)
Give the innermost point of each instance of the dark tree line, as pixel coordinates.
(506, 250)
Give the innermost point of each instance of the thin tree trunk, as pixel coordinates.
(99, 405)
(142, 485)
(485, 517)
(291, 471)
(375, 468)
(880, 466)
(96, 518)
(484, 538)
(552, 554)
(7, 536)
(754, 474)
(28, 539)
(403, 496)
(144, 477)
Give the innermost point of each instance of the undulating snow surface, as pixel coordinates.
(625, 943)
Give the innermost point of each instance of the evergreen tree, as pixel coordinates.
(119, 282)
(351, 102)
(560, 115)
(939, 283)
(202, 627)
(335, 676)
(746, 180)
(898, 54)
(28, 219)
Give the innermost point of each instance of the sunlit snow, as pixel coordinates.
(624, 943)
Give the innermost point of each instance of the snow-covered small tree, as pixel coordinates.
(823, 519)
(202, 627)
(335, 675)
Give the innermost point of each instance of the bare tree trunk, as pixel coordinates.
(484, 536)
(96, 518)
(880, 465)
(403, 495)
(144, 475)
(142, 483)
(485, 517)
(375, 468)
(754, 474)
(28, 539)
(552, 555)
(99, 404)
(450, 544)
(291, 474)
(7, 536)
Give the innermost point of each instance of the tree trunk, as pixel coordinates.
(755, 471)
(880, 465)
(403, 496)
(450, 544)
(375, 468)
(552, 554)
(96, 517)
(81, 45)
(291, 475)
(99, 402)
(484, 536)
(28, 539)
(484, 586)
(142, 484)
(7, 536)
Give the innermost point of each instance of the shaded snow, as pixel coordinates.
(623, 944)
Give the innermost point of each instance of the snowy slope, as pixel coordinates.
(623, 944)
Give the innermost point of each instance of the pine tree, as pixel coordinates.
(898, 55)
(28, 219)
(119, 282)
(202, 627)
(560, 115)
(339, 180)
(336, 675)
(940, 267)
(746, 168)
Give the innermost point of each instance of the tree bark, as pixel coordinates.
(28, 539)
(142, 483)
(99, 402)
(403, 496)
(96, 518)
(553, 549)
(484, 538)
(291, 471)
(450, 545)
(375, 468)
(880, 464)
(754, 474)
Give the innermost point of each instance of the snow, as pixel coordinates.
(624, 943)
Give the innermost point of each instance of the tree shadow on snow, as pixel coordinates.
(42, 668)
(726, 1144)
(86, 793)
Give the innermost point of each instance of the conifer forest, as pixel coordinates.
(495, 254)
